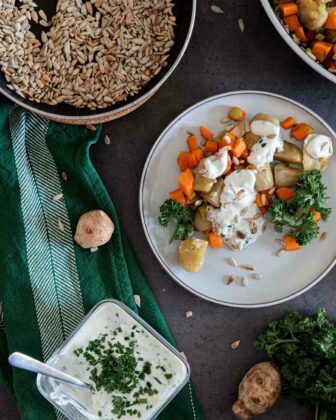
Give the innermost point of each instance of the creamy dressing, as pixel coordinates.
(216, 165)
(105, 320)
(238, 220)
(318, 146)
(269, 143)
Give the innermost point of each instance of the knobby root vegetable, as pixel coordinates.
(258, 391)
(94, 229)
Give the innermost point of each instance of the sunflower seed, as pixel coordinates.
(235, 344)
(64, 176)
(279, 241)
(107, 140)
(257, 276)
(323, 236)
(189, 314)
(95, 249)
(60, 225)
(231, 279)
(232, 262)
(241, 24)
(216, 9)
(57, 197)
(241, 194)
(280, 253)
(245, 281)
(249, 267)
(137, 300)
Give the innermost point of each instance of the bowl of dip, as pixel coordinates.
(134, 370)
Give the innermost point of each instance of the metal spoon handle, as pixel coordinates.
(23, 361)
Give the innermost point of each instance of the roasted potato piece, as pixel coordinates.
(191, 254)
(251, 139)
(202, 183)
(265, 117)
(258, 391)
(290, 154)
(309, 162)
(313, 13)
(264, 178)
(201, 221)
(213, 197)
(285, 176)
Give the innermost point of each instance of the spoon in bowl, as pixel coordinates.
(22, 361)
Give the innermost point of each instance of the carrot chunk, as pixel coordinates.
(288, 9)
(317, 215)
(290, 243)
(192, 142)
(321, 50)
(178, 196)
(331, 21)
(192, 161)
(215, 240)
(211, 147)
(300, 33)
(285, 193)
(182, 161)
(288, 123)
(205, 133)
(186, 182)
(301, 131)
(238, 147)
(292, 22)
(199, 154)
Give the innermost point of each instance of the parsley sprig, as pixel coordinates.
(171, 211)
(295, 213)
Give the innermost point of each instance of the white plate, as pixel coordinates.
(294, 46)
(283, 277)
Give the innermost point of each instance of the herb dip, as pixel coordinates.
(134, 374)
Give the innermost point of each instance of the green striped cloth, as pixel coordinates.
(47, 283)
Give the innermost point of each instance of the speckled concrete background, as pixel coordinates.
(219, 59)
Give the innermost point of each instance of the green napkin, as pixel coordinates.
(47, 283)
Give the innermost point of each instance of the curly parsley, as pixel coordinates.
(171, 211)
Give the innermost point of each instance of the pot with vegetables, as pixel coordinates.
(233, 183)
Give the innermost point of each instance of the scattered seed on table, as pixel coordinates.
(60, 225)
(232, 262)
(235, 344)
(57, 197)
(245, 281)
(91, 127)
(216, 9)
(231, 279)
(95, 249)
(107, 140)
(323, 236)
(249, 267)
(241, 24)
(64, 176)
(189, 314)
(137, 300)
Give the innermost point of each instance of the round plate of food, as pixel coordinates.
(309, 28)
(237, 199)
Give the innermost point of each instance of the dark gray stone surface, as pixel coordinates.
(219, 59)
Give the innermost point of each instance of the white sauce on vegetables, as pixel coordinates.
(238, 220)
(216, 165)
(167, 370)
(270, 142)
(318, 146)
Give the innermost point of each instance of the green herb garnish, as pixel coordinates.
(296, 214)
(305, 350)
(171, 211)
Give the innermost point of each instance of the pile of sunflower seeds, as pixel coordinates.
(92, 53)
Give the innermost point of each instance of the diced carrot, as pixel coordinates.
(301, 131)
(192, 161)
(211, 147)
(285, 193)
(290, 243)
(331, 21)
(288, 123)
(228, 140)
(182, 161)
(238, 147)
(215, 240)
(178, 196)
(205, 133)
(258, 201)
(192, 142)
(321, 50)
(317, 215)
(186, 182)
(292, 22)
(300, 33)
(199, 154)
(288, 9)
(237, 114)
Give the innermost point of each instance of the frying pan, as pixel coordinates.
(185, 12)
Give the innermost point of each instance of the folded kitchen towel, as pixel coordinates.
(47, 283)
